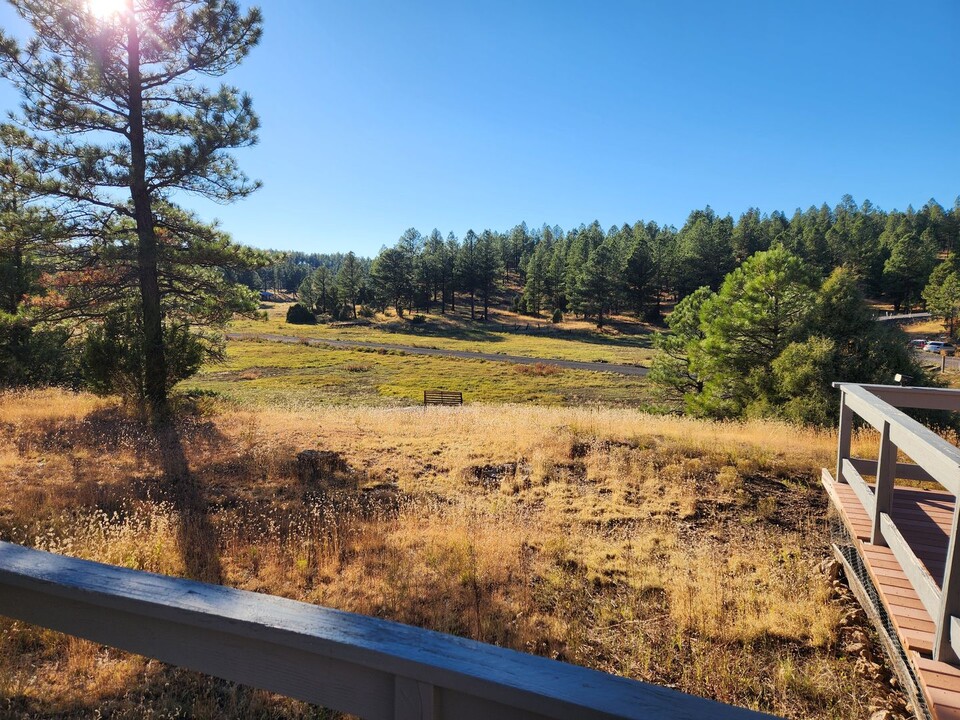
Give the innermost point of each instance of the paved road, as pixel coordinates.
(952, 363)
(494, 357)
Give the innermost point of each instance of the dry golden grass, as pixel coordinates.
(664, 549)
(929, 329)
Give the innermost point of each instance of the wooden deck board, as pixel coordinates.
(924, 518)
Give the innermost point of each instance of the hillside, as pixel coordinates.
(684, 553)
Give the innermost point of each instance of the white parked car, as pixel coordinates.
(936, 346)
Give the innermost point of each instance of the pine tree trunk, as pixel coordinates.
(155, 366)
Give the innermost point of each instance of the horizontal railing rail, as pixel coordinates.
(934, 459)
(373, 668)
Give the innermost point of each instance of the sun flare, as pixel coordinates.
(105, 9)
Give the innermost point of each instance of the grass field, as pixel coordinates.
(277, 374)
(627, 342)
(680, 552)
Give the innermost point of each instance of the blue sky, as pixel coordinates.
(379, 116)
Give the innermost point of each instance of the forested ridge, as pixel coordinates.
(630, 268)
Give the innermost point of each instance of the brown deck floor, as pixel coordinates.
(924, 518)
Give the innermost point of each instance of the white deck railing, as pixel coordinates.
(373, 668)
(934, 460)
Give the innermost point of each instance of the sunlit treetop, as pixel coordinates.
(106, 9)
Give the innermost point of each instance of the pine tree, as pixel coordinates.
(115, 103)
(600, 283)
(32, 350)
(434, 257)
(942, 294)
(349, 280)
(704, 251)
(672, 369)
(907, 270)
(449, 270)
(467, 269)
(391, 274)
(537, 271)
(489, 268)
(639, 274)
(761, 308)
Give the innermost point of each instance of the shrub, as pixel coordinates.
(557, 316)
(300, 315)
(113, 360)
(35, 357)
(366, 311)
(358, 367)
(418, 320)
(341, 312)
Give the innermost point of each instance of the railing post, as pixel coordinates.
(413, 700)
(949, 598)
(843, 443)
(883, 490)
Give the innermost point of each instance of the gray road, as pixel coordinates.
(952, 363)
(494, 357)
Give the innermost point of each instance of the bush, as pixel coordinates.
(557, 317)
(538, 369)
(113, 360)
(300, 315)
(358, 367)
(31, 357)
(366, 311)
(418, 320)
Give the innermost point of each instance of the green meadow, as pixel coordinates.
(626, 342)
(284, 374)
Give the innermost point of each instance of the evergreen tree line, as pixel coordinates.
(636, 268)
(285, 271)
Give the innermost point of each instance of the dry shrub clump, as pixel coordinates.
(668, 550)
(538, 369)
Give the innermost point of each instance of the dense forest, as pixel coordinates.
(633, 268)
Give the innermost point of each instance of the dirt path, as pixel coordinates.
(494, 357)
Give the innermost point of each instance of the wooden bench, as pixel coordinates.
(442, 397)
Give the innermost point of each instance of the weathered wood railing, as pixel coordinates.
(934, 459)
(373, 668)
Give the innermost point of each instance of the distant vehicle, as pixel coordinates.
(936, 347)
(918, 344)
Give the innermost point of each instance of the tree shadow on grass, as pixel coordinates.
(196, 535)
(154, 466)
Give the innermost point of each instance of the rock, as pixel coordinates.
(866, 667)
(853, 616)
(866, 662)
(831, 568)
(856, 636)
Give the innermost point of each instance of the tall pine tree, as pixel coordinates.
(118, 105)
